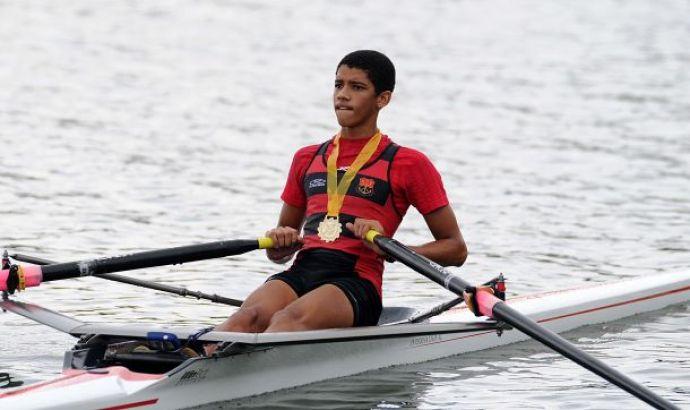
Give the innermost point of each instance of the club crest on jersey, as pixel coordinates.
(366, 186)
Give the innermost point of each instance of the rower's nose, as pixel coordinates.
(341, 94)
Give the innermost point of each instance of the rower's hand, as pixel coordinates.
(360, 229)
(470, 296)
(286, 241)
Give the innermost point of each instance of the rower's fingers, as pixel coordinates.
(281, 239)
(278, 237)
(287, 237)
(369, 225)
(364, 227)
(378, 228)
(272, 235)
(358, 228)
(361, 226)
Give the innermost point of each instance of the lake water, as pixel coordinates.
(561, 129)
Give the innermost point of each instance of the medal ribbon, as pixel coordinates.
(336, 191)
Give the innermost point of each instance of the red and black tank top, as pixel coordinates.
(369, 196)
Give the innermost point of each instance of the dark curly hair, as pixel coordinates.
(378, 67)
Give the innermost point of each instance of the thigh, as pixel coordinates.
(255, 313)
(324, 307)
(271, 296)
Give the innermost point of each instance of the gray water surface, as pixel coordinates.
(561, 129)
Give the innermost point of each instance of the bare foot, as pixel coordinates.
(210, 348)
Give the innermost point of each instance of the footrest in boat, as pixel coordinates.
(140, 356)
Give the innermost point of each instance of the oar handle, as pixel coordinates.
(265, 242)
(371, 235)
(20, 277)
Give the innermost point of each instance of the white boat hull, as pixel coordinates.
(279, 366)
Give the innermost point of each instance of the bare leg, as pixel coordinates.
(259, 307)
(257, 310)
(322, 308)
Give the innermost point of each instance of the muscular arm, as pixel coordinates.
(449, 247)
(286, 237)
(291, 216)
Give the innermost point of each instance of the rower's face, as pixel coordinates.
(354, 97)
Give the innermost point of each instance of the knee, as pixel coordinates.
(246, 319)
(249, 314)
(288, 319)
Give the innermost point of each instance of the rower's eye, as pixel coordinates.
(338, 85)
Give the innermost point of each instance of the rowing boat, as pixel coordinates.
(257, 363)
(126, 366)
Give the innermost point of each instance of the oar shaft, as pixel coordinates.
(493, 307)
(141, 283)
(502, 311)
(161, 257)
(171, 289)
(423, 265)
(34, 275)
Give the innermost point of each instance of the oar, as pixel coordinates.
(495, 308)
(33, 275)
(437, 310)
(141, 283)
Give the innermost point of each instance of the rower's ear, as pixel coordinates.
(383, 99)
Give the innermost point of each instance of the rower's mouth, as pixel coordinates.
(343, 108)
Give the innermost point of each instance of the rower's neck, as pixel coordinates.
(356, 133)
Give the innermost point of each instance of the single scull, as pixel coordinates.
(100, 372)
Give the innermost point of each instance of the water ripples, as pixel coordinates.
(561, 131)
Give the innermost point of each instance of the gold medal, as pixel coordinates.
(329, 229)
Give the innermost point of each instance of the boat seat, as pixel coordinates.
(392, 314)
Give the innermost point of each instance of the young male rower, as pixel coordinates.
(336, 192)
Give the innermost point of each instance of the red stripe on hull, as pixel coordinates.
(132, 405)
(76, 376)
(627, 302)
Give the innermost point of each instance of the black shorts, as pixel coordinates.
(317, 267)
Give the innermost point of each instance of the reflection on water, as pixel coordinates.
(560, 128)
